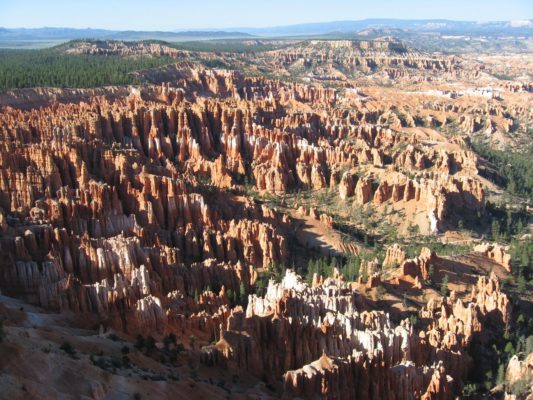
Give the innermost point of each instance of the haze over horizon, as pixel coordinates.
(164, 15)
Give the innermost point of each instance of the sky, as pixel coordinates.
(198, 14)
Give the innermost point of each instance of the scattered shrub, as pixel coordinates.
(113, 337)
(68, 348)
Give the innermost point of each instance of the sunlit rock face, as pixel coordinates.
(322, 341)
(136, 209)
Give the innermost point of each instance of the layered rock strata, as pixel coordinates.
(323, 341)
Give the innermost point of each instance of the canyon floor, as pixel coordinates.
(319, 219)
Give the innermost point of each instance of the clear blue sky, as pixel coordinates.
(197, 14)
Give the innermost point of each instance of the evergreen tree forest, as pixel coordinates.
(515, 168)
(51, 67)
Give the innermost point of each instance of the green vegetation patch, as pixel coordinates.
(516, 168)
(51, 67)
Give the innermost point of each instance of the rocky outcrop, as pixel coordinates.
(138, 208)
(363, 191)
(434, 197)
(455, 324)
(346, 186)
(497, 253)
(119, 48)
(351, 378)
(414, 270)
(490, 299)
(365, 55)
(323, 342)
(520, 370)
(395, 256)
(223, 141)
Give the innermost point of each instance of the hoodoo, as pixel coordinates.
(340, 217)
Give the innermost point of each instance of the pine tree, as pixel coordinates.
(150, 344)
(231, 297)
(242, 295)
(495, 229)
(431, 271)
(509, 220)
(524, 258)
(444, 286)
(509, 349)
(519, 227)
(260, 285)
(500, 377)
(311, 269)
(333, 264)
(521, 284)
(529, 344)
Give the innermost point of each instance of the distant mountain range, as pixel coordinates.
(441, 26)
(339, 29)
(21, 34)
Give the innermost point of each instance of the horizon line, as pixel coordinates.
(235, 28)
